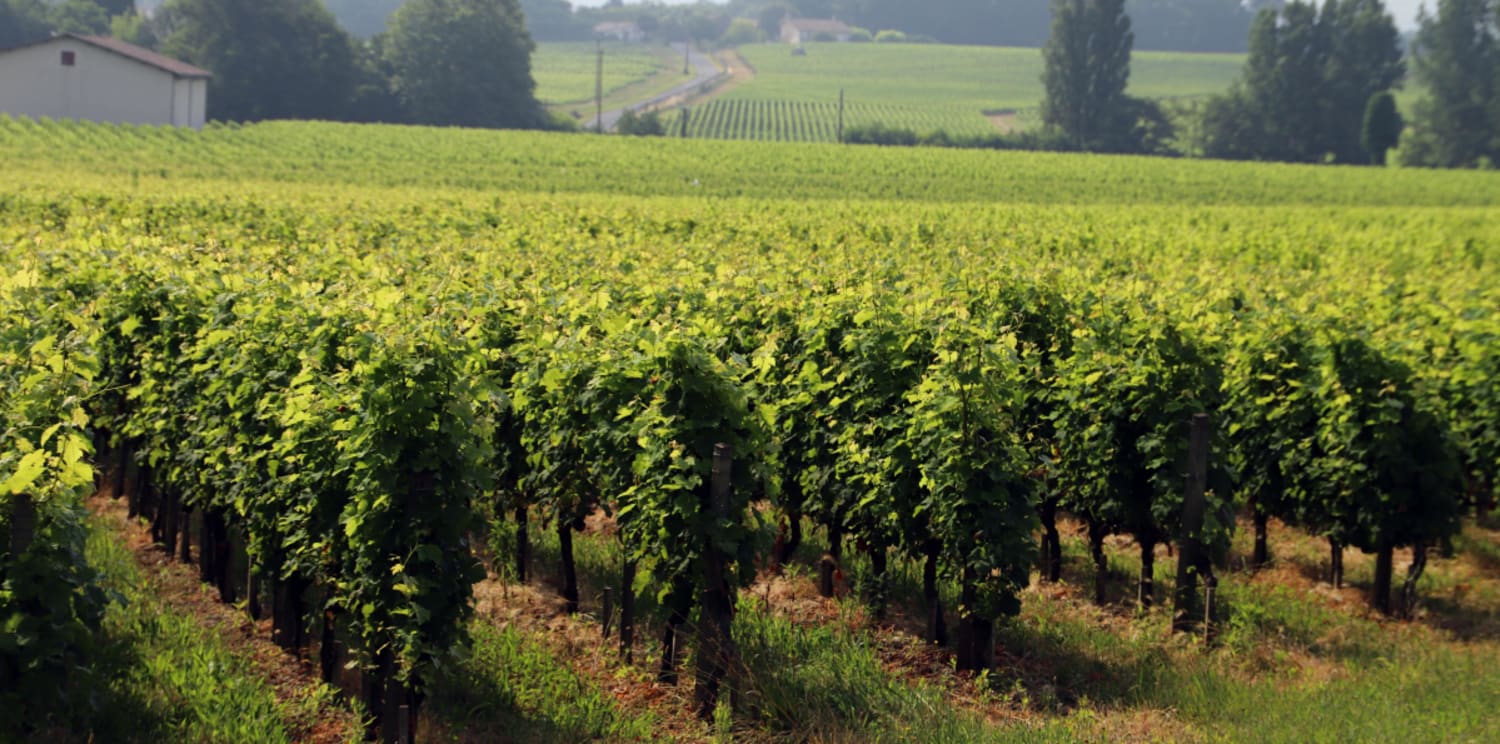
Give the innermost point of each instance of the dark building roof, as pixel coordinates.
(142, 55)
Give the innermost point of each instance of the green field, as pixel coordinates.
(565, 71)
(333, 154)
(930, 87)
(380, 354)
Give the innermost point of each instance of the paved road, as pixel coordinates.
(704, 70)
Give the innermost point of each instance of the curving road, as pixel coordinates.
(704, 71)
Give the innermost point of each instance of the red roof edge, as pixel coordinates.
(140, 54)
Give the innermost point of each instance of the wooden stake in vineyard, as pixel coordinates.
(718, 656)
(1192, 556)
(598, 93)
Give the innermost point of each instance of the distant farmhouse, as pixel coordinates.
(620, 31)
(96, 78)
(799, 31)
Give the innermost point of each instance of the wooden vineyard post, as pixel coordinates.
(1192, 558)
(718, 657)
(841, 116)
(523, 544)
(170, 520)
(185, 525)
(328, 655)
(122, 461)
(23, 520)
(627, 611)
(252, 590)
(607, 613)
(569, 578)
(1380, 592)
(287, 615)
(937, 629)
(1210, 605)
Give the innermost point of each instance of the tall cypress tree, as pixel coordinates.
(1086, 69)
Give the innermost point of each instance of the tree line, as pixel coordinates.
(439, 62)
(1175, 25)
(1316, 86)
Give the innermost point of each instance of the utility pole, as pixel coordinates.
(841, 116)
(599, 86)
(686, 45)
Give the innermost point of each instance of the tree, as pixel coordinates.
(1309, 74)
(116, 7)
(1382, 126)
(553, 20)
(1457, 61)
(275, 59)
(464, 63)
(362, 18)
(770, 19)
(741, 31)
(373, 100)
(1365, 58)
(79, 17)
(21, 22)
(1087, 66)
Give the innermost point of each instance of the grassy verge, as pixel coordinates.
(1295, 659)
(512, 683)
(157, 674)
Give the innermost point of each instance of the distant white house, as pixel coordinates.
(96, 78)
(619, 30)
(799, 31)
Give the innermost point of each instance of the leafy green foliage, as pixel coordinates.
(1087, 66)
(1387, 471)
(975, 473)
(1124, 398)
(277, 59)
(1311, 71)
(1456, 61)
(50, 598)
(464, 63)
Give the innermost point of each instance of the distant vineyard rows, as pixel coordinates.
(804, 121)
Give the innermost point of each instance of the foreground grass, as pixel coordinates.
(157, 675)
(1295, 660)
(170, 678)
(511, 682)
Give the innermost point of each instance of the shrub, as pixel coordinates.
(641, 125)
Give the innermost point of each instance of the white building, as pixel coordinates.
(97, 78)
(799, 31)
(619, 30)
